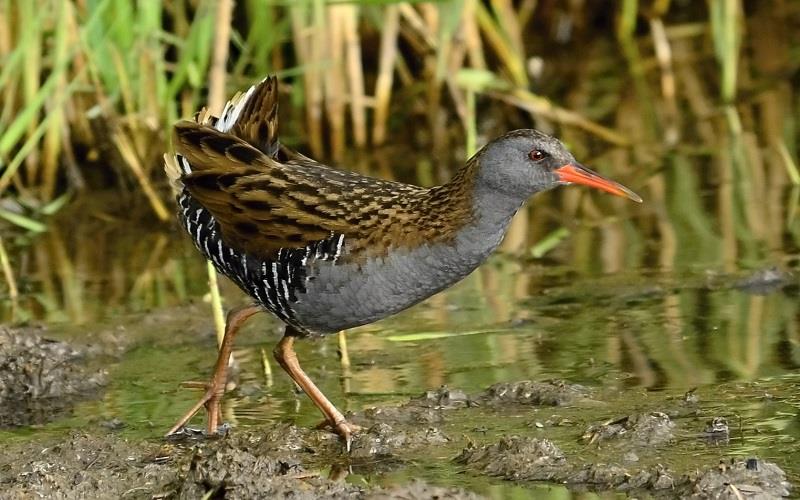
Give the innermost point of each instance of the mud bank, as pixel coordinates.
(556, 438)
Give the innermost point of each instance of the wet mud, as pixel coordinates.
(41, 379)
(278, 463)
(534, 459)
(629, 453)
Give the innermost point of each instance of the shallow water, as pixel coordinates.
(639, 338)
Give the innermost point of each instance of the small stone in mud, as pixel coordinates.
(603, 475)
(691, 397)
(404, 415)
(517, 458)
(640, 429)
(655, 478)
(41, 378)
(193, 434)
(630, 457)
(114, 424)
(527, 392)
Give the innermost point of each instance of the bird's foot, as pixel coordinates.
(343, 428)
(211, 401)
(195, 434)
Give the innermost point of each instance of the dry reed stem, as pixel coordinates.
(355, 72)
(668, 88)
(216, 100)
(788, 162)
(11, 282)
(266, 368)
(125, 146)
(156, 255)
(31, 74)
(512, 60)
(539, 105)
(457, 53)
(334, 83)
(52, 139)
(417, 24)
(5, 34)
(308, 43)
(754, 187)
(525, 11)
(344, 354)
(725, 208)
(217, 73)
(386, 62)
(696, 96)
(509, 23)
(472, 36)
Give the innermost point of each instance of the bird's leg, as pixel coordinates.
(287, 358)
(216, 386)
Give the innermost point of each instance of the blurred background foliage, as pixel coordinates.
(90, 88)
(693, 104)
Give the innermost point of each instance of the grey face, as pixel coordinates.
(522, 163)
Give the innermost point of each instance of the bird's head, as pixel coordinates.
(526, 161)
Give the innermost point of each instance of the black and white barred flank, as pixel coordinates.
(276, 284)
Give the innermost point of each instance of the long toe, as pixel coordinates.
(346, 430)
(210, 401)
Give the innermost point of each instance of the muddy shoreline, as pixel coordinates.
(42, 379)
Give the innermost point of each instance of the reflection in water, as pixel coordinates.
(682, 322)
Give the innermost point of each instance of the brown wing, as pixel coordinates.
(262, 205)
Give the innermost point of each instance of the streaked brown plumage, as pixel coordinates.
(263, 204)
(325, 249)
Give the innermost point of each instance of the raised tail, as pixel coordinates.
(251, 116)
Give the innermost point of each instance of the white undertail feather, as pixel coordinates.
(176, 166)
(232, 110)
(173, 173)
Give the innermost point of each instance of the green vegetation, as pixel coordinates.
(96, 85)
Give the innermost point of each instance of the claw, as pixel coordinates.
(344, 429)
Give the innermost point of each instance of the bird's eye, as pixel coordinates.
(537, 155)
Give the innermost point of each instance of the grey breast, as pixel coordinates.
(316, 290)
(341, 296)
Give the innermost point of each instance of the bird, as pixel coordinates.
(324, 249)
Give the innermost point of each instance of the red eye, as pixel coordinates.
(537, 155)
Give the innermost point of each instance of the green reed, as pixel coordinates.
(107, 78)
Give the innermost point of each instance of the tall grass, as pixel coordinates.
(89, 89)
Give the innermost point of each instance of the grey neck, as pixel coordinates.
(492, 214)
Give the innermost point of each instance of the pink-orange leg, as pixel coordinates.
(287, 358)
(216, 386)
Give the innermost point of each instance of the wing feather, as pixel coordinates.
(259, 206)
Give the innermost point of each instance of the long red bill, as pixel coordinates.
(578, 174)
